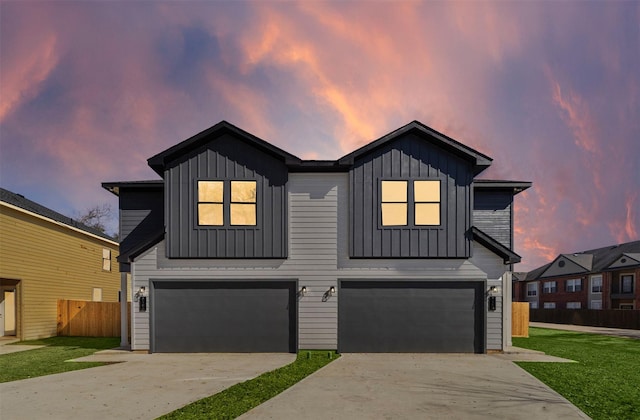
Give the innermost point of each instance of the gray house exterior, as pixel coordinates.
(244, 247)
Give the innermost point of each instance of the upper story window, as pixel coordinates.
(573, 285)
(532, 289)
(626, 283)
(415, 203)
(217, 207)
(596, 284)
(550, 287)
(106, 259)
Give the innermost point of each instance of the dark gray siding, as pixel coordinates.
(410, 157)
(492, 214)
(226, 158)
(141, 217)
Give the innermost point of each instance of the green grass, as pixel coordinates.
(52, 358)
(605, 383)
(242, 397)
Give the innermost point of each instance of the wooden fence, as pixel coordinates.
(610, 318)
(90, 319)
(520, 319)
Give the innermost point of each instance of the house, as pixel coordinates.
(243, 247)
(45, 256)
(603, 278)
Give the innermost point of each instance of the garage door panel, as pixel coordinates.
(410, 317)
(224, 317)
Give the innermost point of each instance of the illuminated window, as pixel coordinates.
(418, 199)
(241, 201)
(394, 203)
(427, 200)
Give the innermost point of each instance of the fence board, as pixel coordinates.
(89, 319)
(610, 318)
(520, 319)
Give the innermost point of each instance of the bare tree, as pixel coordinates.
(96, 217)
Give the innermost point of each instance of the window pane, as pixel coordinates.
(210, 191)
(243, 214)
(394, 214)
(426, 191)
(394, 191)
(210, 214)
(243, 191)
(427, 214)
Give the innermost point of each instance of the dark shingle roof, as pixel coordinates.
(601, 258)
(33, 207)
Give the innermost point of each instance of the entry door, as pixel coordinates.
(8, 312)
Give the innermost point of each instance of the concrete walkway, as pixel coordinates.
(418, 386)
(142, 386)
(617, 332)
(5, 348)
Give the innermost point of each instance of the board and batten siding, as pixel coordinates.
(230, 159)
(51, 262)
(493, 213)
(411, 157)
(318, 256)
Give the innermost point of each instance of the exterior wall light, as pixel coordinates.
(493, 290)
(141, 298)
(332, 290)
(303, 290)
(328, 293)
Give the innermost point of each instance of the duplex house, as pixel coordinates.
(602, 278)
(395, 247)
(46, 256)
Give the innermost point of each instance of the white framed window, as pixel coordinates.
(596, 304)
(573, 285)
(106, 259)
(549, 305)
(533, 305)
(532, 289)
(574, 305)
(96, 294)
(596, 284)
(241, 203)
(550, 287)
(626, 306)
(626, 283)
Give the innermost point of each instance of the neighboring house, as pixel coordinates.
(45, 256)
(244, 247)
(603, 278)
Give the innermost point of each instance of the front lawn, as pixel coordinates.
(52, 358)
(605, 383)
(242, 397)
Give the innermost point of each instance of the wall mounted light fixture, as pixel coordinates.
(141, 298)
(303, 290)
(332, 290)
(492, 292)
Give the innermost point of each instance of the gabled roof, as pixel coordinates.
(591, 261)
(515, 187)
(627, 259)
(23, 203)
(479, 160)
(159, 161)
(483, 238)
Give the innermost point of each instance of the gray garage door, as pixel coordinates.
(411, 317)
(216, 316)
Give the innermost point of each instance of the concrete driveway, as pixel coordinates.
(143, 386)
(418, 386)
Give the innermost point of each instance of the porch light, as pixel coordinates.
(303, 290)
(332, 290)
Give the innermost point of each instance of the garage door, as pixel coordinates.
(411, 317)
(215, 316)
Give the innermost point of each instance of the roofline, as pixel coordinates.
(159, 161)
(480, 160)
(55, 222)
(508, 256)
(114, 187)
(515, 186)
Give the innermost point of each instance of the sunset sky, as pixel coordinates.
(549, 90)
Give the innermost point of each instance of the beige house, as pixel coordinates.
(45, 256)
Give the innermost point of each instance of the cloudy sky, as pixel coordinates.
(549, 90)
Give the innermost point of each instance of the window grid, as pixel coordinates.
(550, 287)
(573, 285)
(401, 199)
(227, 203)
(626, 283)
(596, 284)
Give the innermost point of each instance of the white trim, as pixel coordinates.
(55, 222)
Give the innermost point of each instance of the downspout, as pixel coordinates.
(124, 321)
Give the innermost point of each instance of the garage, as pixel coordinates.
(411, 316)
(223, 316)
